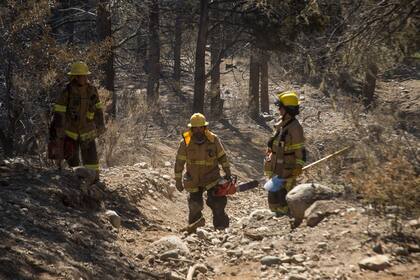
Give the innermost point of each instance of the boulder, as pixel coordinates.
(302, 196)
(375, 263)
(319, 210)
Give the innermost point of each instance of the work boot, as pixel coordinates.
(191, 228)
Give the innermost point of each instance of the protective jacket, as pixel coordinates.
(78, 112)
(287, 149)
(202, 161)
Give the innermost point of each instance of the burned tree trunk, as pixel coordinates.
(104, 30)
(265, 106)
(178, 45)
(370, 83)
(200, 71)
(254, 81)
(216, 105)
(153, 54)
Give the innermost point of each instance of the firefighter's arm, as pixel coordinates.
(271, 141)
(181, 158)
(60, 109)
(99, 115)
(222, 158)
(298, 146)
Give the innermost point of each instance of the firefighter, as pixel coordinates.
(78, 119)
(285, 155)
(202, 152)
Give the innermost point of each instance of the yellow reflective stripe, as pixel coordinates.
(90, 115)
(294, 147)
(88, 135)
(268, 173)
(211, 185)
(92, 166)
(192, 189)
(60, 108)
(181, 157)
(290, 183)
(276, 142)
(300, 162)
(178, 175)
(278, 209)
(71, 134)
(220, 154)
(99, 105)
(201, 162)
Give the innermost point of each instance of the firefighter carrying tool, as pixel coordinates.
(202, 153)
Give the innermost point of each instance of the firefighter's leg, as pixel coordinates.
(218, 205)
(195, 206)
(90, 156)
(71, 151)
(277, 202)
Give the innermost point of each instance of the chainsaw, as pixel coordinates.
(230, 187)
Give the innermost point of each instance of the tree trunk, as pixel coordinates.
(200, 65)
(8, 137)
(104, 29)
(265, 106)
(153, 54)
(216, 105)
(370, 83)
(178, 45)
(254, 77)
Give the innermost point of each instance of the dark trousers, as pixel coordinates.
(87, 150)
(216, 204)
(277, 200)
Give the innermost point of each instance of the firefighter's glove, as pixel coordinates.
(179, 186)
(297, 171)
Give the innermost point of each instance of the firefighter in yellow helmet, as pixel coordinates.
(202, 153)
(285, 154)
(78, 118)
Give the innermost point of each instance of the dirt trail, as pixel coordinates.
(49, 230)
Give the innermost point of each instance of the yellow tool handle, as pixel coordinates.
(325, 158)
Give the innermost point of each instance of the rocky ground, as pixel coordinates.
(50, 229)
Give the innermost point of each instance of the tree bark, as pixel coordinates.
(265, 106)
(153, 54)
(104, 30)
(216, 105)
(178, 45)
(8, 137)
(254, 77)
(200, 66)
(370, 83)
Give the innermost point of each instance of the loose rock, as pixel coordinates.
(319, 210)
(270, 260)
(375, 263)
(113, 218)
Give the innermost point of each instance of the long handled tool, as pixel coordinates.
(326, 157)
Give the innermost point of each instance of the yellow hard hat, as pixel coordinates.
(198, 120)
(287, 98)
(79, 68)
